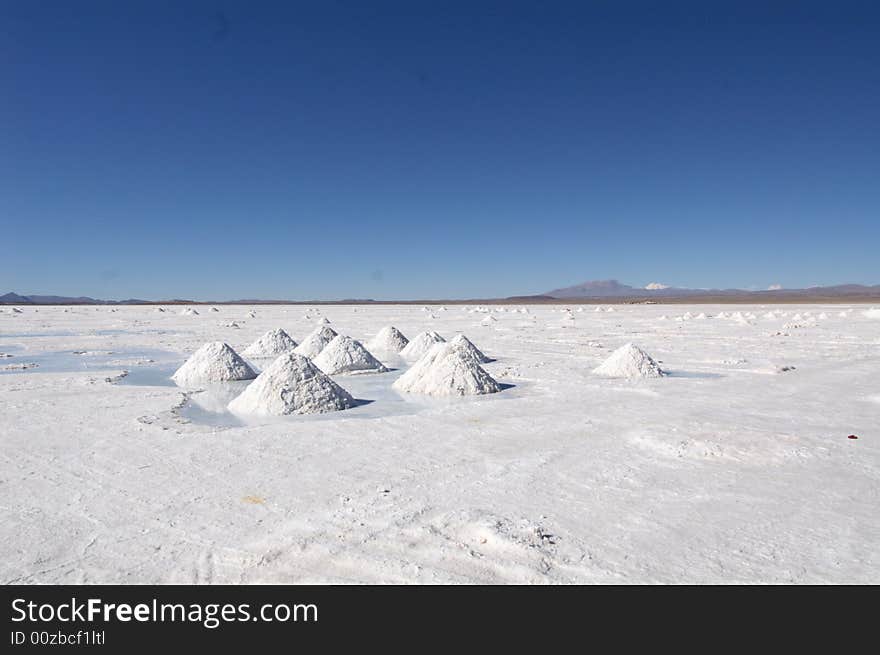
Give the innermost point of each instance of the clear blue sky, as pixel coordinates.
(435, 149)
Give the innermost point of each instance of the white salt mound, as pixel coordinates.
(388, 340)
(213, 362)
(446, 371)
(291, 385)
(629, 361)
(214, 309)
(345, 355)
(189, 311)
(468, 348)
(273, 343)
(489, 320)
(420, 344)
(315, 342)
(871, 313)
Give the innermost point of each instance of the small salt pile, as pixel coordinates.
(629, 361)
(446, 371)
(315, 342)
(213, 362)
(16, 310)
(489, 320)
(291, 385)
(345, 355)
(214, 309)
(388, 340)
(189, 311)
(420, 344)
(273, 343)
(467, 347)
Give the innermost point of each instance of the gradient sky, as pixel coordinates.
(217, 150)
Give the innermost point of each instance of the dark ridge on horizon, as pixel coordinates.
(599, 291)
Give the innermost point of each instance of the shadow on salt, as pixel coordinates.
(693, 374)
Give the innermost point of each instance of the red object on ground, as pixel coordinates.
(852, 436)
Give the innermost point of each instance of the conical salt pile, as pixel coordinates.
(273, 343)
(213, 362)
(420, 344)
(629, 361)
(291, 385)
(489, 320)
(345, 355)
(446, 371)
(314, 343)
(388, 340)
(189, 311)
(466, 346)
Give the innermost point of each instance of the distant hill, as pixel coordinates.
(13, 298)
(599, 289)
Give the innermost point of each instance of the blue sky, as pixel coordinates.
(216, 150)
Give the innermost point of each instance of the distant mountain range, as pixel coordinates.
(16, 299)
(595, 290)
(614, 289)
